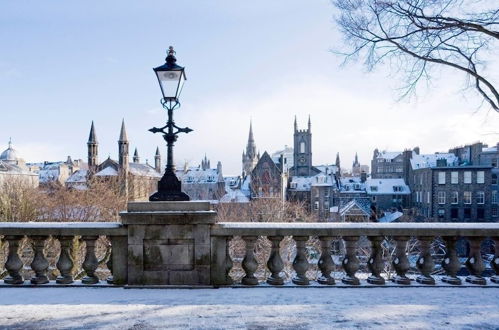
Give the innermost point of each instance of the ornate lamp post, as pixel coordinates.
(171, 79)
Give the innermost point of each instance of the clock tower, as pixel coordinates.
(302, 151)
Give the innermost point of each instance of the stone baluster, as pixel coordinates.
(451, 262)
(401, 263)
(425, 262)
(375, 263)
(495, 262)
(275, 264)
(13, 263)
(91, 263)
(350, 262)
(109, 264)
(326, 264)
(65, 262)
(228, 262)
(474, 263)
(39, 264)
(300, 264)
(249, 262)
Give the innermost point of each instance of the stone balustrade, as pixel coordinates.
(350, 233)
(172, 243)
(88, 232)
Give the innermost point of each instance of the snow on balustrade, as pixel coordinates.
(40, 241)
(371, 248)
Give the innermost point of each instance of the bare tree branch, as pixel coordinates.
(418, 33)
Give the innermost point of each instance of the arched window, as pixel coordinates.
(302, 147)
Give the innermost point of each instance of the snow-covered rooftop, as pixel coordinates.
(430, 160)
(107, 171)
(197, 175)
(387, 187)
(144, 170)
(388, 154)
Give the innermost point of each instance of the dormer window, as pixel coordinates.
(374, 188)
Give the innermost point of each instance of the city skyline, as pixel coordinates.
(95, 66)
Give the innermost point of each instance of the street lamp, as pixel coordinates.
(171, 79)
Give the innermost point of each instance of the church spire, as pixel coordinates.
(337, 163)
(356, 161)
(157, 160)
(92, 147)
(92, 137)
(309, 124)
(123, 152)
(136, 158)
(296, 124)
(251, 147)
(123, 135)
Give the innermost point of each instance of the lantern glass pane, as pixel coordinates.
(169, 81)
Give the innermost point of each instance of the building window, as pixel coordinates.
(441, 213)
(467, 177)
(441, 177)
(467, 197)
(494, 178)
(373, 198)
(480, 197)
(467, 213)
(428, 197)
(374, 188)
(326, 206)
(302, 147)
(454, 177)
(316, 205)
(480, 177)
(454, 197)
(480, 213)
(494, 197)
(495, 211)
(454, 213)
(326, 193)
(441, 197)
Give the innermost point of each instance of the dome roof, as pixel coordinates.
(10, 154)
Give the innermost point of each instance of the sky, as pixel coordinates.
(66, 63)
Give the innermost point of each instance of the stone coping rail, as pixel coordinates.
(63, 228)
(355, 229)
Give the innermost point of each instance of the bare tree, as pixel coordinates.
(417, 35)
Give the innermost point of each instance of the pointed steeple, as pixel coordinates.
(136, 158)
(296, 124)
(251, 147)
(92, 137)
(157, 160)
(250, 137)
(337, 163)
(309, 124)
(93, 149)
(123, 136)
(356, 162)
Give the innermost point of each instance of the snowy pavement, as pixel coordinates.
(249, 308)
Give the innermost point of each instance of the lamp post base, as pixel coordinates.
(169, 189)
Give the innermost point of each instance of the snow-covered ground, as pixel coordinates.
(249, 308)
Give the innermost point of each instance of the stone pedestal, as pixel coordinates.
(168, 242)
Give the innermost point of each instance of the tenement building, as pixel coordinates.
(203, 182)
(446, 191)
